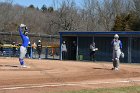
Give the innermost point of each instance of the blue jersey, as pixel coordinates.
(25, 39)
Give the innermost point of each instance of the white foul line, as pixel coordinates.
(66, 84)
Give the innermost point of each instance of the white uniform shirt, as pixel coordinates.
(116, 45)
(92, 47)
(63, 47)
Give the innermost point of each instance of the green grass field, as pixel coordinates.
(132, 89)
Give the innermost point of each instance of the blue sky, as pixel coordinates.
(39, 3)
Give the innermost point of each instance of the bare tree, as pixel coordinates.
(95, 15)
(100, 15)
(136, 6)
(67, 16)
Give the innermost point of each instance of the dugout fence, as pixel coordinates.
(50, 49)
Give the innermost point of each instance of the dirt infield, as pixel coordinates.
(43, 76)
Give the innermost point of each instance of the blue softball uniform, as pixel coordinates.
(25, 39)
(23, 50)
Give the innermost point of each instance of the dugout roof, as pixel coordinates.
(122, 33)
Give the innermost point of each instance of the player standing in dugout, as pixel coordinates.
(39, 48)
(92, 51)
(23, 31)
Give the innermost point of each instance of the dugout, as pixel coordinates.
(130, 40)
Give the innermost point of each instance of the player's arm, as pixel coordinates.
(112, 42)
(120, 44)
(20, 31)
(41, 46)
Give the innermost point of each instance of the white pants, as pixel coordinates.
(116, 57)
(23, 52)
(116, 54)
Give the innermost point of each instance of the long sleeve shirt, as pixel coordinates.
(63, 47)
(25, 39)
(39, 46)
(92, 47)
(117, 44)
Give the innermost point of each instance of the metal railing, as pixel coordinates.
(48, 52)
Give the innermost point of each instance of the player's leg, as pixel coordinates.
(94, 56)
(90, 56)
(113, 59)
(117, 58)
(39, 53)
(29, 54)
(62, 55)
(22, 55)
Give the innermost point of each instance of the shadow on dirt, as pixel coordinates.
(102, 68)
(9, 66)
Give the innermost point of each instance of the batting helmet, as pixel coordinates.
(116, 36)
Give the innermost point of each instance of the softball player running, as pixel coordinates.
(117, 46)
(23, 31)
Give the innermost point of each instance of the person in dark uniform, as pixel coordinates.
(14, 49)
(92, 51)
(1, 48)
(29, 50)
(39, 48)
(74, 49)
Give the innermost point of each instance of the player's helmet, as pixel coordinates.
(25, 29)
(116, 36)
(39, 41)
(22, 25)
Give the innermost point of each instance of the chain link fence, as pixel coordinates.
(10, 43)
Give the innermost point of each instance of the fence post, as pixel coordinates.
(46, 56)
(129, 49)
(31, 54)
